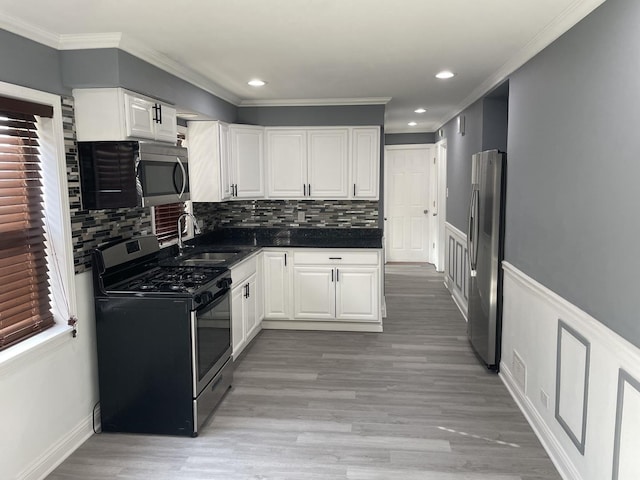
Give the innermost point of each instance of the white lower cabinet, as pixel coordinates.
(357, 293)
(336, 293)
(246, 304)
(324, 289)
(277, 296)
(314, 293)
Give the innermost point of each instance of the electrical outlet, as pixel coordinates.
(544, 399)
(447, 192)
(301, 216)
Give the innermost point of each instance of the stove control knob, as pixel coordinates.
(224, 283)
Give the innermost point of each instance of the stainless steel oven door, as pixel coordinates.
(210, 339)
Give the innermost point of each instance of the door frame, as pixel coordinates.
(432, 238)
(442, 195)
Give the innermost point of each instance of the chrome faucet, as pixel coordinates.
(196, 230)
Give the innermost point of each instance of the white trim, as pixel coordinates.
(575, 12)
(589, 327)
(553, 448)
(409, 146)
(310, 102)
(58, 453)
(37, 346)
(456, 231)
(29, 30)
(84, 41)
(325, 326)
(441, 146)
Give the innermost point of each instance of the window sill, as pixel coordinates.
(36, 346)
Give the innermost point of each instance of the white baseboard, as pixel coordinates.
(542, 431)
(460, 303)
(57, 453)
(324, 326)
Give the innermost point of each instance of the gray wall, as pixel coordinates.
(572, 196)
(459, 151)
(30, 64)
(409, 138)
(495, 115)
(312, 116)
(110, 67)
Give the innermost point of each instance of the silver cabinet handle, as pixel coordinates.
(184, 178)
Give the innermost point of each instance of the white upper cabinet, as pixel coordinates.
(247, 161)
(328, 163)
(167, 124)
(110, 114)
(323, 162)
(209, 161)
(286, 163)
(365, 162)
(139, 117)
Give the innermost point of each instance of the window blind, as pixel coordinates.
(166, 221)
(24, 279)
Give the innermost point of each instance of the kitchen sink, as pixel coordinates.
(211, 257)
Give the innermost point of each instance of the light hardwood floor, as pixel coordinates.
(410, 403)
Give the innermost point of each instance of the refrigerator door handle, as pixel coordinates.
(476, 229)
(472, 236)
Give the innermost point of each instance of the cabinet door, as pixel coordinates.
(286, 163)
(139, 117)
(251, 307)
(357, 294)
(328, 163)
(247, 160)
(226, 172)
(238, 333)
(314, 293)
(365, 162)
(167, 128)
(276, 285)
(205, 168)
(259, 289)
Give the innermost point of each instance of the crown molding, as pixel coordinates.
(83, 41)
(314, 102)
(163, 62)
(575, 12)
(115, 40)
(28, 30)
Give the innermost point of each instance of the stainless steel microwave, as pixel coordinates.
(132, 174)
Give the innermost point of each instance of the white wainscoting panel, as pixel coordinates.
(456, 269)
(531, 315)
(572, 383)
(626, 460)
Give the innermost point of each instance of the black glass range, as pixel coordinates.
(164, 340)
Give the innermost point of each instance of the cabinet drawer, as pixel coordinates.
(242, 271)
(338, 257)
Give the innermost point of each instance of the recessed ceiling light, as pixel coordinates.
(412, 124)
(420, 110)
(445, 74)
(256, 82)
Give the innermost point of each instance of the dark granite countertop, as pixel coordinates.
(249, 240)
(294, 237)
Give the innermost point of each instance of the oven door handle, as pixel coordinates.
(212, 300)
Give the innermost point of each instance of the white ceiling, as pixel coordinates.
(316, 51)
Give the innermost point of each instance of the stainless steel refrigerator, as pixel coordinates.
(485, 252)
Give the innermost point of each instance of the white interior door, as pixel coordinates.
(407, 210)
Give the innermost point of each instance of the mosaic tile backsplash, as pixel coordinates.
(288, 213)
(91, 228)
